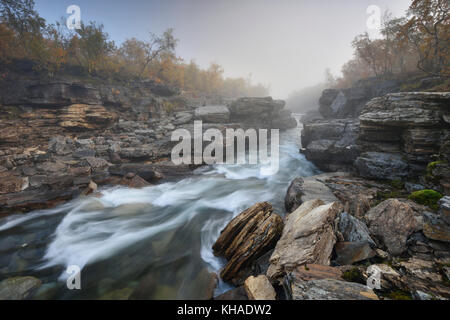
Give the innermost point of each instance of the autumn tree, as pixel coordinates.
(158, 46)
(26, 25)
(428, 29)
(91, 46)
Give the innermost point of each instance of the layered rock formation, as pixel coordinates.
(246, 238)
(394, 137)
(59, 135)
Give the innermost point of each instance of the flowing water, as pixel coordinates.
(150, 243)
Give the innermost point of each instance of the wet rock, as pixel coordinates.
(214, 114)
(41, 198)
(147, 172)
(247, 237)
(19, 288)
(378, 165)
(331, 144)
(118, 294)
(330, 289)
(351, 252)
(284, 120)
(236, 294)
(259, 288)
(134, 182)
(308, 237)
(393, 221)
(92, 187)
(305, 189)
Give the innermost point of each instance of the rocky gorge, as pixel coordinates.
(378, 211)
(374, 226)
(63, 137)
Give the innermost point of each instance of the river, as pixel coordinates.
(150, 243)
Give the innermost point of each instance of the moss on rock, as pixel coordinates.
(428, 198)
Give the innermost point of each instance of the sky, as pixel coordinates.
(286, 44)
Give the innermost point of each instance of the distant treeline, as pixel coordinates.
(53, 47)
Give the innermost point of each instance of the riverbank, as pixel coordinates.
(377, 230)
(61, 138)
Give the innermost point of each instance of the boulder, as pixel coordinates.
(284, 120)
(350, 252)
(261, 113)
(354, 230)
(393, 221)
(308, 237)
(305, 189)
(331, 144)
(329, 289)
(377, 165)
(247, 237)
(214, 114)
(134, 181)
(259, 288)
(356, 194)
(19, 288)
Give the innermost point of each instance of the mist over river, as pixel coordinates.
(150, 243)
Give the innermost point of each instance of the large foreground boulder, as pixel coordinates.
(393, 221)
(308, 237)
(247, 237)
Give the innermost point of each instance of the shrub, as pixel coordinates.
(354, 275)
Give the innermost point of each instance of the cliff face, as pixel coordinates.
(400, 134)
(395, 136)
(61, 137)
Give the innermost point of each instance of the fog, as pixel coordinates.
(286, 44)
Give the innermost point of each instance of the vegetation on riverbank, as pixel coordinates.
(54, 49)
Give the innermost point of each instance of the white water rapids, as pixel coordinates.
(154, 242)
